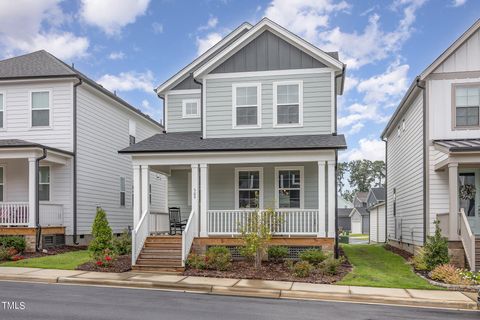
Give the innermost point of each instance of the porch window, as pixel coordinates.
(122, 191)
(288, 104)
(191, 108)
(2, 110)
(289, 185)
(40, 102)
(249, 188)
(44, 183)
(467, 103)
(2, 183)
(246, 105)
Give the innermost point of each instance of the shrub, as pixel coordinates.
(122, 244)
(102, 234)
(302, 269)
(447, 273)
(16, 242)
(313, 256)
(418, 261)
(436, 249)
(4, 254)
(472, 276)
(330, 265)
(196, 261)
(106, 258)
(277, 253)
(218, 258)
(344, 238)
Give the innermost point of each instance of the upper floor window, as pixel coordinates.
(40, 102)
(44, 184)
(191, 108)
(131, 139)
(246, 105)
(467, 106)
(2, 110)
(122, 191)
(288, 103)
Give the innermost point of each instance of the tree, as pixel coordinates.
(101, 233)
(361, 175)
(436, 249)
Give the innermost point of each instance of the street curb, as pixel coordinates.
(26, 278)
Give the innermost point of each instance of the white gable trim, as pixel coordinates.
(266, 24)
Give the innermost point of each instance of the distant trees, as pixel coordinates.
(361, 175)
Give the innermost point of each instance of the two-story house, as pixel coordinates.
(376, 211)
(250, 125)
(59, 136)
(433, 154)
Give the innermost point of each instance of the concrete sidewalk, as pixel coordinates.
(252, 288)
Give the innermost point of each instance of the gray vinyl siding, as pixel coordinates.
(178, 190)
(175, 120)
(405, 173)
(159, 189)
(366, 224)
(317, 106)
(268, 52)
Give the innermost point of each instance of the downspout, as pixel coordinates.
(336, 251)
(75, 160)
(37, 200)
(422, 87)
(201, 102)
(163, 119)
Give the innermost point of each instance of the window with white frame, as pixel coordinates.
(467, 106)
(44, 183)
(2, 110)
(246, 105)
(191, 108)
(249, 188)
(289, 187)
(40, 102)
(288, 103)
(122, 191)
(2, 183)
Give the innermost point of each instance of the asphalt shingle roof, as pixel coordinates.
(379, 193)
(344, 212)
(192, 142)
(18, 143)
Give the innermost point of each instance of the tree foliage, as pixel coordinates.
(361, 175)
(101, 233)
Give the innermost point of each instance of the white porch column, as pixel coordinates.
(137, 195)
(453, 195)
(32, 180)
(321, 199)
(145, 188)
(204, 194)
(332, 193)
(195, 188)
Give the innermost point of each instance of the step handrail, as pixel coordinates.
(139, 235)
(188, 234)
(467, 237)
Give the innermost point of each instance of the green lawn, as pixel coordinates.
(374, 266)
(66, 261)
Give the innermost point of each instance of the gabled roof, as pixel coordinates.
(378, 195)
(361, 210)
(362, 196)
(344, 212)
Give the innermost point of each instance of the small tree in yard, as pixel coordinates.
(436, 249)
(102, 234)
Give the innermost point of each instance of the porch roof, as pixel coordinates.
(17, 143)
(459, 145)
(192, 142)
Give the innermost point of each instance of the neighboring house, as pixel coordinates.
(250, 125)
(59, 135)
(360, 200)
(376, 208)
(344, 208)
(433, 153)
(343, 203)
(359, 215)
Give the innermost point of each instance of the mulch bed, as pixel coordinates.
(120, 264)
(404, 254)
(51, 252)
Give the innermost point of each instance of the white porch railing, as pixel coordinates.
(190, 232)
(139, 235)
(159, 222)
(468, 238)
(13, 213)
(292, 221)
(51, 215)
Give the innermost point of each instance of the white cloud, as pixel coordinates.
(211, 23)
(119, 55)
(112, 15)
(157, 27)
(205, 43)
(371, 149)
(458, 3)
(128, 81)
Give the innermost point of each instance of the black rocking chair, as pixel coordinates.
(176, 222)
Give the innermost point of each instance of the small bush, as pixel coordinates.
(436, 249)
(344, 238)
(277, 253)
(4, 254)
(196, 261)
(122, 244)
(447, 273)
(302, 269)
(16, 242)
(313, 256)
(218, 258)
(105, 259)
(102, 234)
(418, 261)
(330, 265)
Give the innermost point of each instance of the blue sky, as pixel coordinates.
(131, 46)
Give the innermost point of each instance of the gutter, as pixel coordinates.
(75, 160)
(201, 102)
(163, 111)
(37, 200)
(337, 253)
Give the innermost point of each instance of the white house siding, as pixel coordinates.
(373, 225)
(174, 113)
(377, 224)
(356, 221)
(438, 188)
(103, 129)
(178, 190)
(317, 105)
(405, 173)
(159, 189)
(17, 112)
(15, 179)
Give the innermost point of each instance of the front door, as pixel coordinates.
(469, 196)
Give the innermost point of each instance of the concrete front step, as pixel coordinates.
(159, 262)
(154, 269)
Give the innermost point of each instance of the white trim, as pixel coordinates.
(186, 71)
(50, 107)
(49, 182)
(260, 185)
(332, 102)
(302, 185)
(189, 188)
(266, 24)
(4, 100)
(258, 85)
(204, 109)
(250, 74)
(300, 104)
(184, 109)
(184, 91)
(165, 104)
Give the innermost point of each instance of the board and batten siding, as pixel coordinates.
(174, 113)
(103, 129)
(405, 174)
(317, 106)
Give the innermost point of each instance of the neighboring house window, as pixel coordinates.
(2, 183)
(288, 103)
(44, 184)
(249, 183)
(191, 108)
(467, 105)
(246, 105)
(132, 131)
(289, 187)
(131, 139)
(40, 102)
(2, 110)
(122, 191)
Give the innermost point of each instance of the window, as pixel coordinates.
(467, 105)
(288, 103)
(191, 108)
(2, 183)
(249, 183)
(131, 139)
(132, 131)
(150, 193)
(289, 187)
(122, 191)
(246, 105)
(44, 184)
(2, 110)
(40, 102)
